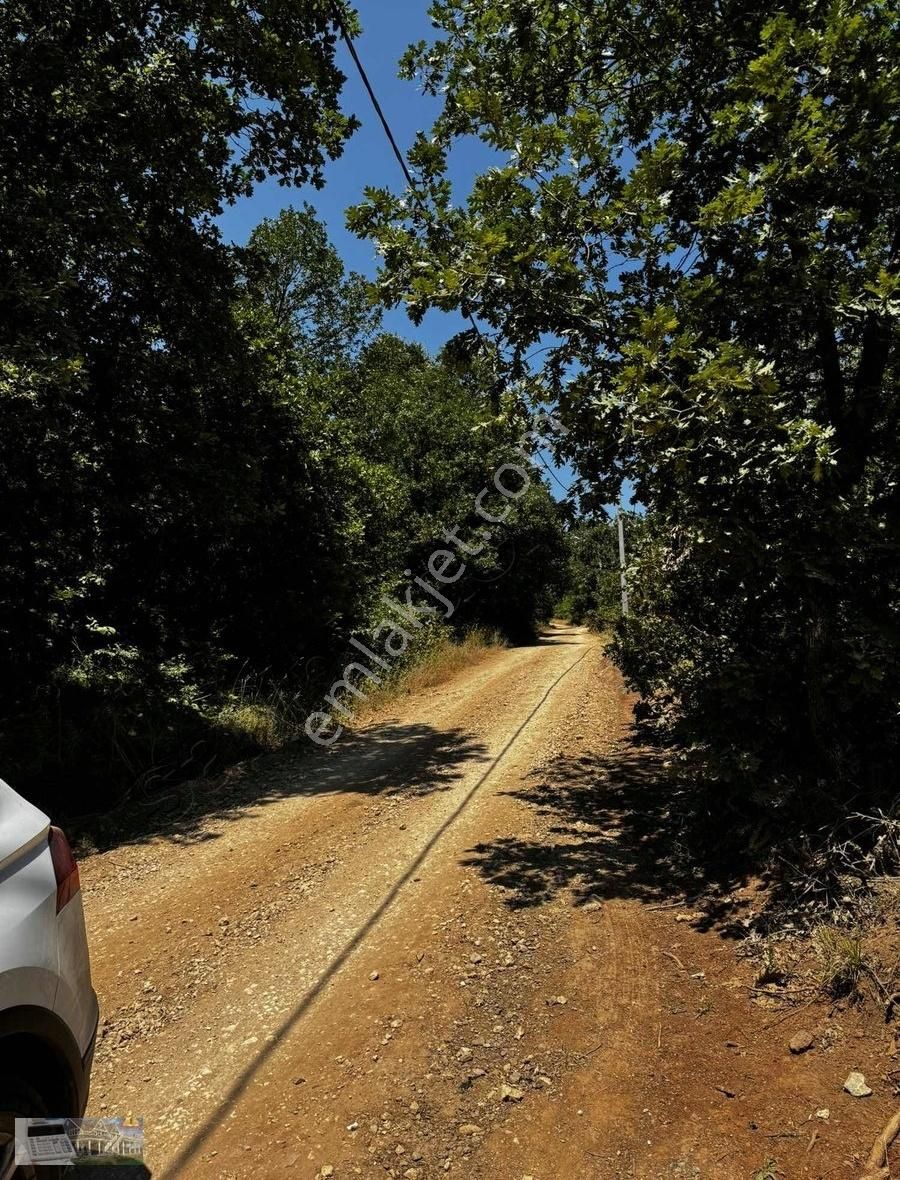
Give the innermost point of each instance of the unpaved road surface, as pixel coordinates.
(446, 947)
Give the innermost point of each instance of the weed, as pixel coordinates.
(255, 722)
(771, 970)
(766, 1172)
(431, 665)
(842, 960)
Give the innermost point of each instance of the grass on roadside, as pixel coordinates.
(434, 664)
(156, 757)
(842, 960)
(265, 718)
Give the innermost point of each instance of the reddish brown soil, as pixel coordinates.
(447, 948)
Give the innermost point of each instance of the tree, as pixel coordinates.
(298, 275)
(697, 209)
(594, 577)
(422, 430)
(149, 443)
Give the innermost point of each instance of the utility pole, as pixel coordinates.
(621, 525)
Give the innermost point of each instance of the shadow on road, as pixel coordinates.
(204, 1130)
(618, 825)
(561, 635)
(388, 759)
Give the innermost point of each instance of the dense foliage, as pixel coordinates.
(593, 569)
(696, 210)
(211, 466)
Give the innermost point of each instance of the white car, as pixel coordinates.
(48, 1009)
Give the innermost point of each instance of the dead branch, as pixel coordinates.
(877, 1167)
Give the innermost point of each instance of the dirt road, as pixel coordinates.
(447, 946)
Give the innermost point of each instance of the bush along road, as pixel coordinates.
(458, 943)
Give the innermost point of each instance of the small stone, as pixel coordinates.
(856, 1085)
(561, 1000)
(373, 976)
(475, 958)
(469, 1129)
(465, 1054)
(511, 1093)
(298, 1081)
(353, 1126)
(327, 1170)
(801, 1042)
(824, 1113)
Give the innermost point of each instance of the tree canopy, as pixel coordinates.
(695, 210)
(212, 467)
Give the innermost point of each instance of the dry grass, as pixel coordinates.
(255, 722)
(842, 960)
(432, 667)
(265, 717)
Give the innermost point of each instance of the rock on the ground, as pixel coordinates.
(802, 1041)
(856, 1085)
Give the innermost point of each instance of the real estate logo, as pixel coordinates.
(68, 1141)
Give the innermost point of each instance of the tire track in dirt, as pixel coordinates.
(190, 885)
(448, 957)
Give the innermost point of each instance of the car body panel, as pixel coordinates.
(21, 827)
(44, 960)
(75, 1000)
(29, 951)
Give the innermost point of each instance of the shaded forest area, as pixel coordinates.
(214, 461)
(215, 464)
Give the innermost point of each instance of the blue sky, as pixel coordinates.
(368, 160)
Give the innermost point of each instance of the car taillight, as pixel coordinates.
(65, 867)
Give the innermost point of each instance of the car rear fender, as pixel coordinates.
(36, 1046)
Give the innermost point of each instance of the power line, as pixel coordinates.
(361, 70)
(553, 474)
(417, 196)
